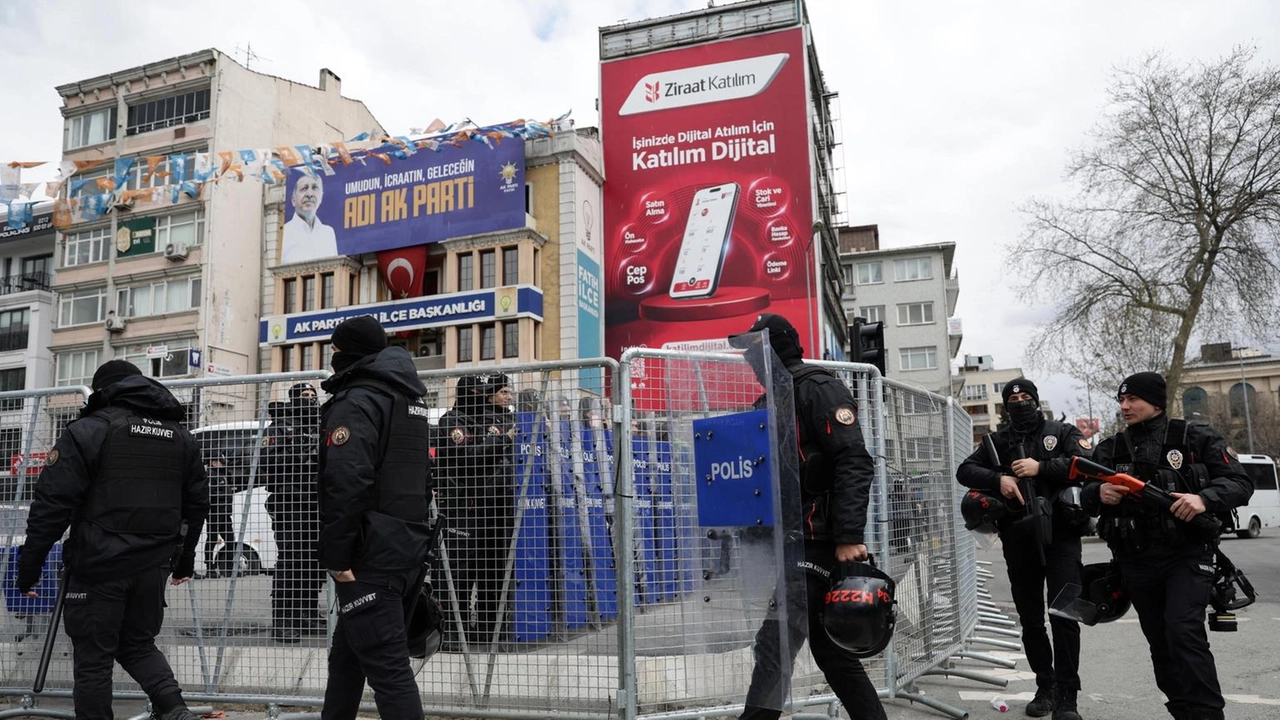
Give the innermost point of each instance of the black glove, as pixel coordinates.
(185, 566)
(27, 578)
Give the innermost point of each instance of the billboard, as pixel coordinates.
(708, 204)
(371, 204)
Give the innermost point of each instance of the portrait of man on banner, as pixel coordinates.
(305, 236)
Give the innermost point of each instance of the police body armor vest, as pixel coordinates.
(401, 484)
(137, 488)
(1132, 524)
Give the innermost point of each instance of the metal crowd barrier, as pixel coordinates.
(577, 584)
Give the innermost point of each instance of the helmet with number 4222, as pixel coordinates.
(858, 611)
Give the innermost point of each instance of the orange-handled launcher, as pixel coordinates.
(1149, 495)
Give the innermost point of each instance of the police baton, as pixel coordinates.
(46, 655)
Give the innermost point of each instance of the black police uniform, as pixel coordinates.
(375, 489)
(289, 471)
(836, 474)
(1167, 565)
(1052, 444)
(126, 477)
(222, 490)
(475, 456)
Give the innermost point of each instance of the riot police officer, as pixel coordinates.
(475, 455)
(129, 480)
(1167, 565)
(375, 489)
(836, 473)
(1034, 454)
(289, 471)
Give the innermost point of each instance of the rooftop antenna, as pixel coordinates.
(249, 55)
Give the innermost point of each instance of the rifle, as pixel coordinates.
(46, 655)
(1153, 497)
(1037, 515)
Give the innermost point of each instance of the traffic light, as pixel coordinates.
(866, 343)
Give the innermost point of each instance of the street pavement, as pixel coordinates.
(1115, 666)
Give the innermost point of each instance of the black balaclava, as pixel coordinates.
(356, 338)
(1024, 415)
(783, 338)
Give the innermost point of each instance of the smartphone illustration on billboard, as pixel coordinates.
(705, 242)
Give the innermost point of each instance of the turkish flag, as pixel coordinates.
(403, 270)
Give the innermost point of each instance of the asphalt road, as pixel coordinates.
(1115, 666)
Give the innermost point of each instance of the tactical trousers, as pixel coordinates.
(218, 524)
(1170, 591)
(370, 642)
(1058, 663)
(481, 560)
(297, 580)
(117, 620)
(770, 679)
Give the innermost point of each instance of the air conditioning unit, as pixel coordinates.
(176, 251)
(115, 324)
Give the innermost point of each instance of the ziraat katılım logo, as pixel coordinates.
(717, 82)
(652, 92)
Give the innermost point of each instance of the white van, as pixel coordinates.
(253, 531)
(1263, 510)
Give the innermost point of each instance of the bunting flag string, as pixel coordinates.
(159, 176)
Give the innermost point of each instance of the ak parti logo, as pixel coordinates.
(652, 91)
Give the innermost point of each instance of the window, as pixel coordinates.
(185, 228)
(166, 361)
(1263, 476)
(308, 357)
(1195, 401)
(92, 128)
(528, 198)
(464, 344)
(466, 272)
(326, 355)
(10, 443)
(76, 368)
(168, 112)
(510, 266)
(169, 296)
(846, 273)
(82, 308)
(870, 273)
(326, 290)
(309, 293)
(511, 339)
(86, 247)
(913, 269)
(286, 358)
(999, 388)
(923, 448)
(974, 392)
(140, 176)
(36, 272)
(488, 341)
(13, 329)
(12, 379)
(290, 296)
(1240, 397)
(918, 358)
(915, 313)
(872, 313)
(488, 268)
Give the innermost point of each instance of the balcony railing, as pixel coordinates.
(27, 281)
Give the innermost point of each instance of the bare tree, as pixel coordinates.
(1228, 419)
(1173, 229)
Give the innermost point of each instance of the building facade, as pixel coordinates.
(533, 286)
(1236, 390)
(170, 282)
(913, 291)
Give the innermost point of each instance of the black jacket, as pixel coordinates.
(836, 471)
(474, 458)
(94, 553)
(289, 452)
(1053, 444)
(1228, 486)
(353, 428)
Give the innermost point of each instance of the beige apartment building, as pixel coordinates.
(173, 286)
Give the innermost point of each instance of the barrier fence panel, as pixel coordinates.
(966, 560)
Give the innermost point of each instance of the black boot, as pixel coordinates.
(1042, 704)
(1204, 714)
(1064, 705)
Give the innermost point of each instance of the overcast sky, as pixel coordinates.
(953, 113)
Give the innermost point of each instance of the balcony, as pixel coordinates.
(23, 283)
(953, 291)
(955, 334)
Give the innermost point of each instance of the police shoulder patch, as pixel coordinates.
(458, 436)
(845, 415)
(1050, 442)
(51, 458)
(1084, 443)
(1175, 459)
(340, 436)
(1230, 451)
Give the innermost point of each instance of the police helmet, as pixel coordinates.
(858, 610)
(1069, 510)
(1102, 588)
(980, 508)
(425, 626)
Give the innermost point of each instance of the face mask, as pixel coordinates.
(1024, 414)
(342, 360)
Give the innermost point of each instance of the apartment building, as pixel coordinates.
(171, 283)
(913, 291)
(531, 287)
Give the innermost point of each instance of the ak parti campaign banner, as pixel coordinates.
(371, 205)
(708, 205)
